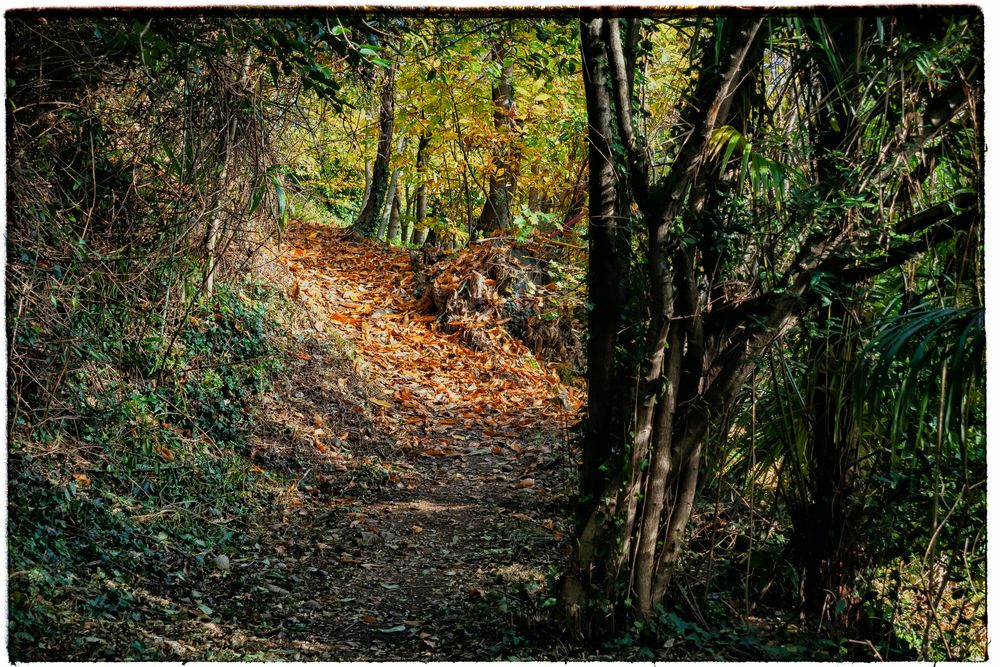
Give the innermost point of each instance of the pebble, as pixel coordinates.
(278, 590)
(367, 539)
(311, 605)
(298, 394)
(222, 562)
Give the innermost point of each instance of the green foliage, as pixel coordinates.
(332, 188)
(671, 635)
(160, 466)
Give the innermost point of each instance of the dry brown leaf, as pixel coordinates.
(526, 483)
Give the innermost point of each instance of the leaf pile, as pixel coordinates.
(493, 284)
(433, 380)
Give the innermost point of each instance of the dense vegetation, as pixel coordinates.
(753, 242)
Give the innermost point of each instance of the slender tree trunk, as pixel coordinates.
(226, 138)
(420, 221)
(467, 194)
(394, 216)
(405, 223)
(215, 226)
(367, 223)
(534, 193)
(368, 184)
(603, 273)
(390, 197)
(503, 181)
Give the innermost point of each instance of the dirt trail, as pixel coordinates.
(428, 501)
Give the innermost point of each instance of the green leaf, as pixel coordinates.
(395, 628)
(257, 195)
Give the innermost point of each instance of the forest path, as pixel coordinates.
(427, 499)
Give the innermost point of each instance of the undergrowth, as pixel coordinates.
(145, 474)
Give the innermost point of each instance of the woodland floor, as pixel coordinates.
(431, 508)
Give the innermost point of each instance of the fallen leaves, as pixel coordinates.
(363, 291)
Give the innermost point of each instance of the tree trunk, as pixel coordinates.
(368, 184)
(503, 180)
(603, 274)
(405, 226)
(226, 138)
(535, 193)
(394, 216)
(367, 223)
(390, 197)
(420, 222)
(639, 490)
(822, 532)
(225, 151)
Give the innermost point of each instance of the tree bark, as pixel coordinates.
(225, 151)
(367, 223)
(390, 197)
(405, 223)
(603, 272)
(420, 222)
(496, 211)
(226, 138)
(394, 215)
(632, 536)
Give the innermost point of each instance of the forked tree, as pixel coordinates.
(781, 187)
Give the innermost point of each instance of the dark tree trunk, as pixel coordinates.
(823, 530)
(603, 273)
(639, 494)
(368, 220)
(503, 181)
